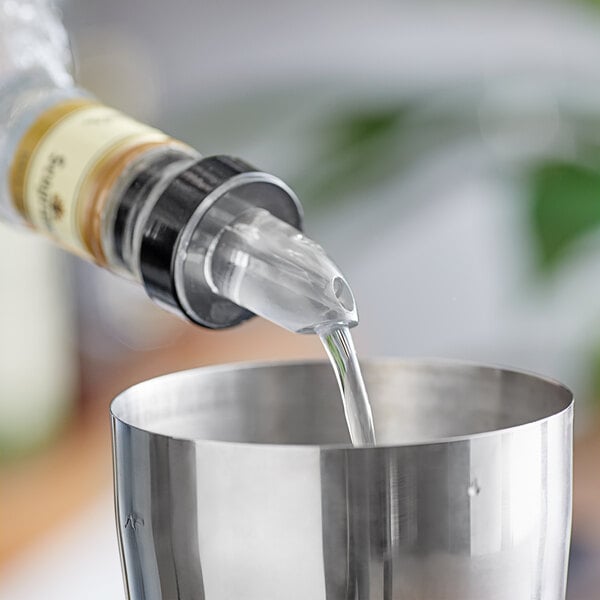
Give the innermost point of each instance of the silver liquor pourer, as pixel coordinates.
(217, 241)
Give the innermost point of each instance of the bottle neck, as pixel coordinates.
(211, 239)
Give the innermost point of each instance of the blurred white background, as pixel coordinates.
(436, 239)
(411, 131)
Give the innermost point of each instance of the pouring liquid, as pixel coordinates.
(357, 408)
(272, 269)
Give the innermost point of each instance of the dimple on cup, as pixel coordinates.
(239, 483)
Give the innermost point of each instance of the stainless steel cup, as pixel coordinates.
(239, 483)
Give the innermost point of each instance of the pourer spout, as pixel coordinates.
(269, 267)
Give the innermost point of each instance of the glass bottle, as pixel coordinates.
(210, 238)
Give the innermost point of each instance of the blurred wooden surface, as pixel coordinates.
(586, 487)
(38, 493)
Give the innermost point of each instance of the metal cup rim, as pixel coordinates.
(423, 362)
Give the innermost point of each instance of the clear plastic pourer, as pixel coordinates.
(269, 267)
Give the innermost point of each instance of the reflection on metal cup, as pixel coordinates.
(239, 483)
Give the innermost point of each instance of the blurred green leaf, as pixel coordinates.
(566, 206)
(593, 368)
(360, 149)
(362, 127)
(357, 150)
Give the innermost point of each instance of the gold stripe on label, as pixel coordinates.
(67, 165)
(99, 183)
(30, 141)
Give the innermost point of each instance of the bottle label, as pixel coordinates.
(58, 165)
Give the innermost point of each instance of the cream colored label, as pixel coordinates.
(63, 159)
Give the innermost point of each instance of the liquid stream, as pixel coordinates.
(357, 408)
